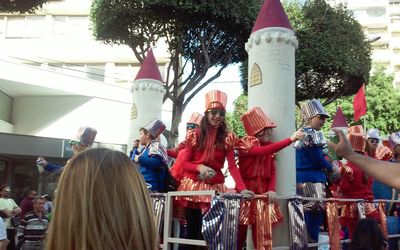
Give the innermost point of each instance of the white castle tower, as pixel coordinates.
(271, 50)
(147, 97)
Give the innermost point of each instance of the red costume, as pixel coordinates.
(257, 168)
(355, 184)
(212, 155)
(173, 152)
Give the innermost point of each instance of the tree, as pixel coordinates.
(204, 34)
(233, 118)
(21, 6)
(333, 57)
(383, 110)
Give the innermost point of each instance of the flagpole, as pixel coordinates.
(365, 122)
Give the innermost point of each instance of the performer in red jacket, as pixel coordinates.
(355, 184)
(193, 123)
(257, 168)
(202, 160)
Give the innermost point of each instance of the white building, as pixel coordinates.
(54, 78)
(380, 18)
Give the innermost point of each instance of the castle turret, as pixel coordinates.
(271, 50)
(147, 97)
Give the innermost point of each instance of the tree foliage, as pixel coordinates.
(383, 110)
(204, 33)
(20, 6)
(333, 57)
(233, 118)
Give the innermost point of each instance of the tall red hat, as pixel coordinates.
(357, 138)
(256, 120)
(216, 99)
(195, 118)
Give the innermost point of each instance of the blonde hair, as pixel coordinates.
(101, 203)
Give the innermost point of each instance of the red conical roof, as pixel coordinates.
(149, 68)
(339, 120)
(272, 14)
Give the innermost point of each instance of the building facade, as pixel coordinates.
(380, 18)
(54, 78)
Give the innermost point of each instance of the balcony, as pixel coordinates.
(373, 22)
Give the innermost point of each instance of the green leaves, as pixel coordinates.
(383, 110)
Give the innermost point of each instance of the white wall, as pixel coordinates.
(5, 127)
(61, 116)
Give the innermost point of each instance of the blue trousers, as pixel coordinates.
(313, 221)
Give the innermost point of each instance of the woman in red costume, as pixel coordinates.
(257, 168)
(355, 184)
(202, 160)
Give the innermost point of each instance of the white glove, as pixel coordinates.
(206, 172)
(272, 196)
(41, 161)
(247, 194)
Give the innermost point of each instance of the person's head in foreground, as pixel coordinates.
(368, 235)
(102, 203)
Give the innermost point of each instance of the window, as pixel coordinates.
(95, 71)
(78, 26)
(35, 26)
(376, 12)
(2, 26)
(60, 26)
(77, 70)
(15, 27)
(394, 2)
(71, 26)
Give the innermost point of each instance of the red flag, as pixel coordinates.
(360, 103)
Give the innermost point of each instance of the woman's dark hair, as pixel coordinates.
(368, 235)
(204, 126)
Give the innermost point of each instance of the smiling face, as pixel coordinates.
(264, 135)
(317, 122)
(215, 117)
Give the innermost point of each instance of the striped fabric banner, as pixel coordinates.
(297, 225)
(220, 223)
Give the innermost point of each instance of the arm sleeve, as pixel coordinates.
(172, 153)
(272, 179)
(317, 158)
(185, 156)
(50, 167)
(269, 149)
(234, 171)
(150, 161)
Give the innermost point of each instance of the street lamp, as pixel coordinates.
(372, 39)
